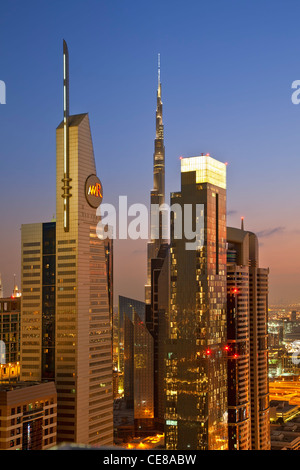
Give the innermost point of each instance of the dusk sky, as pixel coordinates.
(226, 71)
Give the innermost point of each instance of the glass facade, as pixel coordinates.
(124, 341)
(10, 319)
(48, 300)
(208, 170)
(196, 366)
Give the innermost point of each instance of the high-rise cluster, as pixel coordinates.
(191, 360)
(206, 308)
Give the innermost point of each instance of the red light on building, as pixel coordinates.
(235, 290)
(208, 352)
(227, 348)
(235, 356)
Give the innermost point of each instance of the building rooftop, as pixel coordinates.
(9, 387)
(208, 170)
(280, 439)
(282, 405)
(74, 120)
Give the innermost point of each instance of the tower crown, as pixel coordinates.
(208, 170)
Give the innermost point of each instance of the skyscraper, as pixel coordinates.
(157, 197)
(248, 342)
(83, 323)
(238, 343)
(157, 248)
(196, 367)
(127, 308)
(136, 360)
(70, 291)
(10, 313)
(38, 283)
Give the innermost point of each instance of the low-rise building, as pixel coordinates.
(28, 416)
(282, 410)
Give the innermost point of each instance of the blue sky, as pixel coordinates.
(226, 71)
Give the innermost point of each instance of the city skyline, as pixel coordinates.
(230, 111)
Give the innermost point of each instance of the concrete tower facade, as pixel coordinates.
(248, 316)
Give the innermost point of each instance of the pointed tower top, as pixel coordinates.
(65, 46)
(66, 178)
(158, 73)
(158, 64)
(66, 79)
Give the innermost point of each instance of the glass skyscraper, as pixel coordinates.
(196, 367)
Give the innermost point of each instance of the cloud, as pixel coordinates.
(269, 232)
(231, 212)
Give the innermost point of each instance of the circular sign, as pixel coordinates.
(93, 191)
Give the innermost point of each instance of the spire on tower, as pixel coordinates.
(66, 178)
(158, 69)
(159, 82)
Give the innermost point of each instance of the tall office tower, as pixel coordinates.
(10, 313)
(157, 197)
(83, 359)
(136, 360)
(142, 375)
(196, 363)
(157, 248)
(155, 323)
(162, 298)
(38, 284)
(66, 277)
(138, 370)
(126, 309)
(247, 279)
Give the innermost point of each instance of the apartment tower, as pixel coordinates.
(247, 289)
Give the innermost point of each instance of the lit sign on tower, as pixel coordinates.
(93, 191)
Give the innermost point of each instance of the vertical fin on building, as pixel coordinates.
(66, 178)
